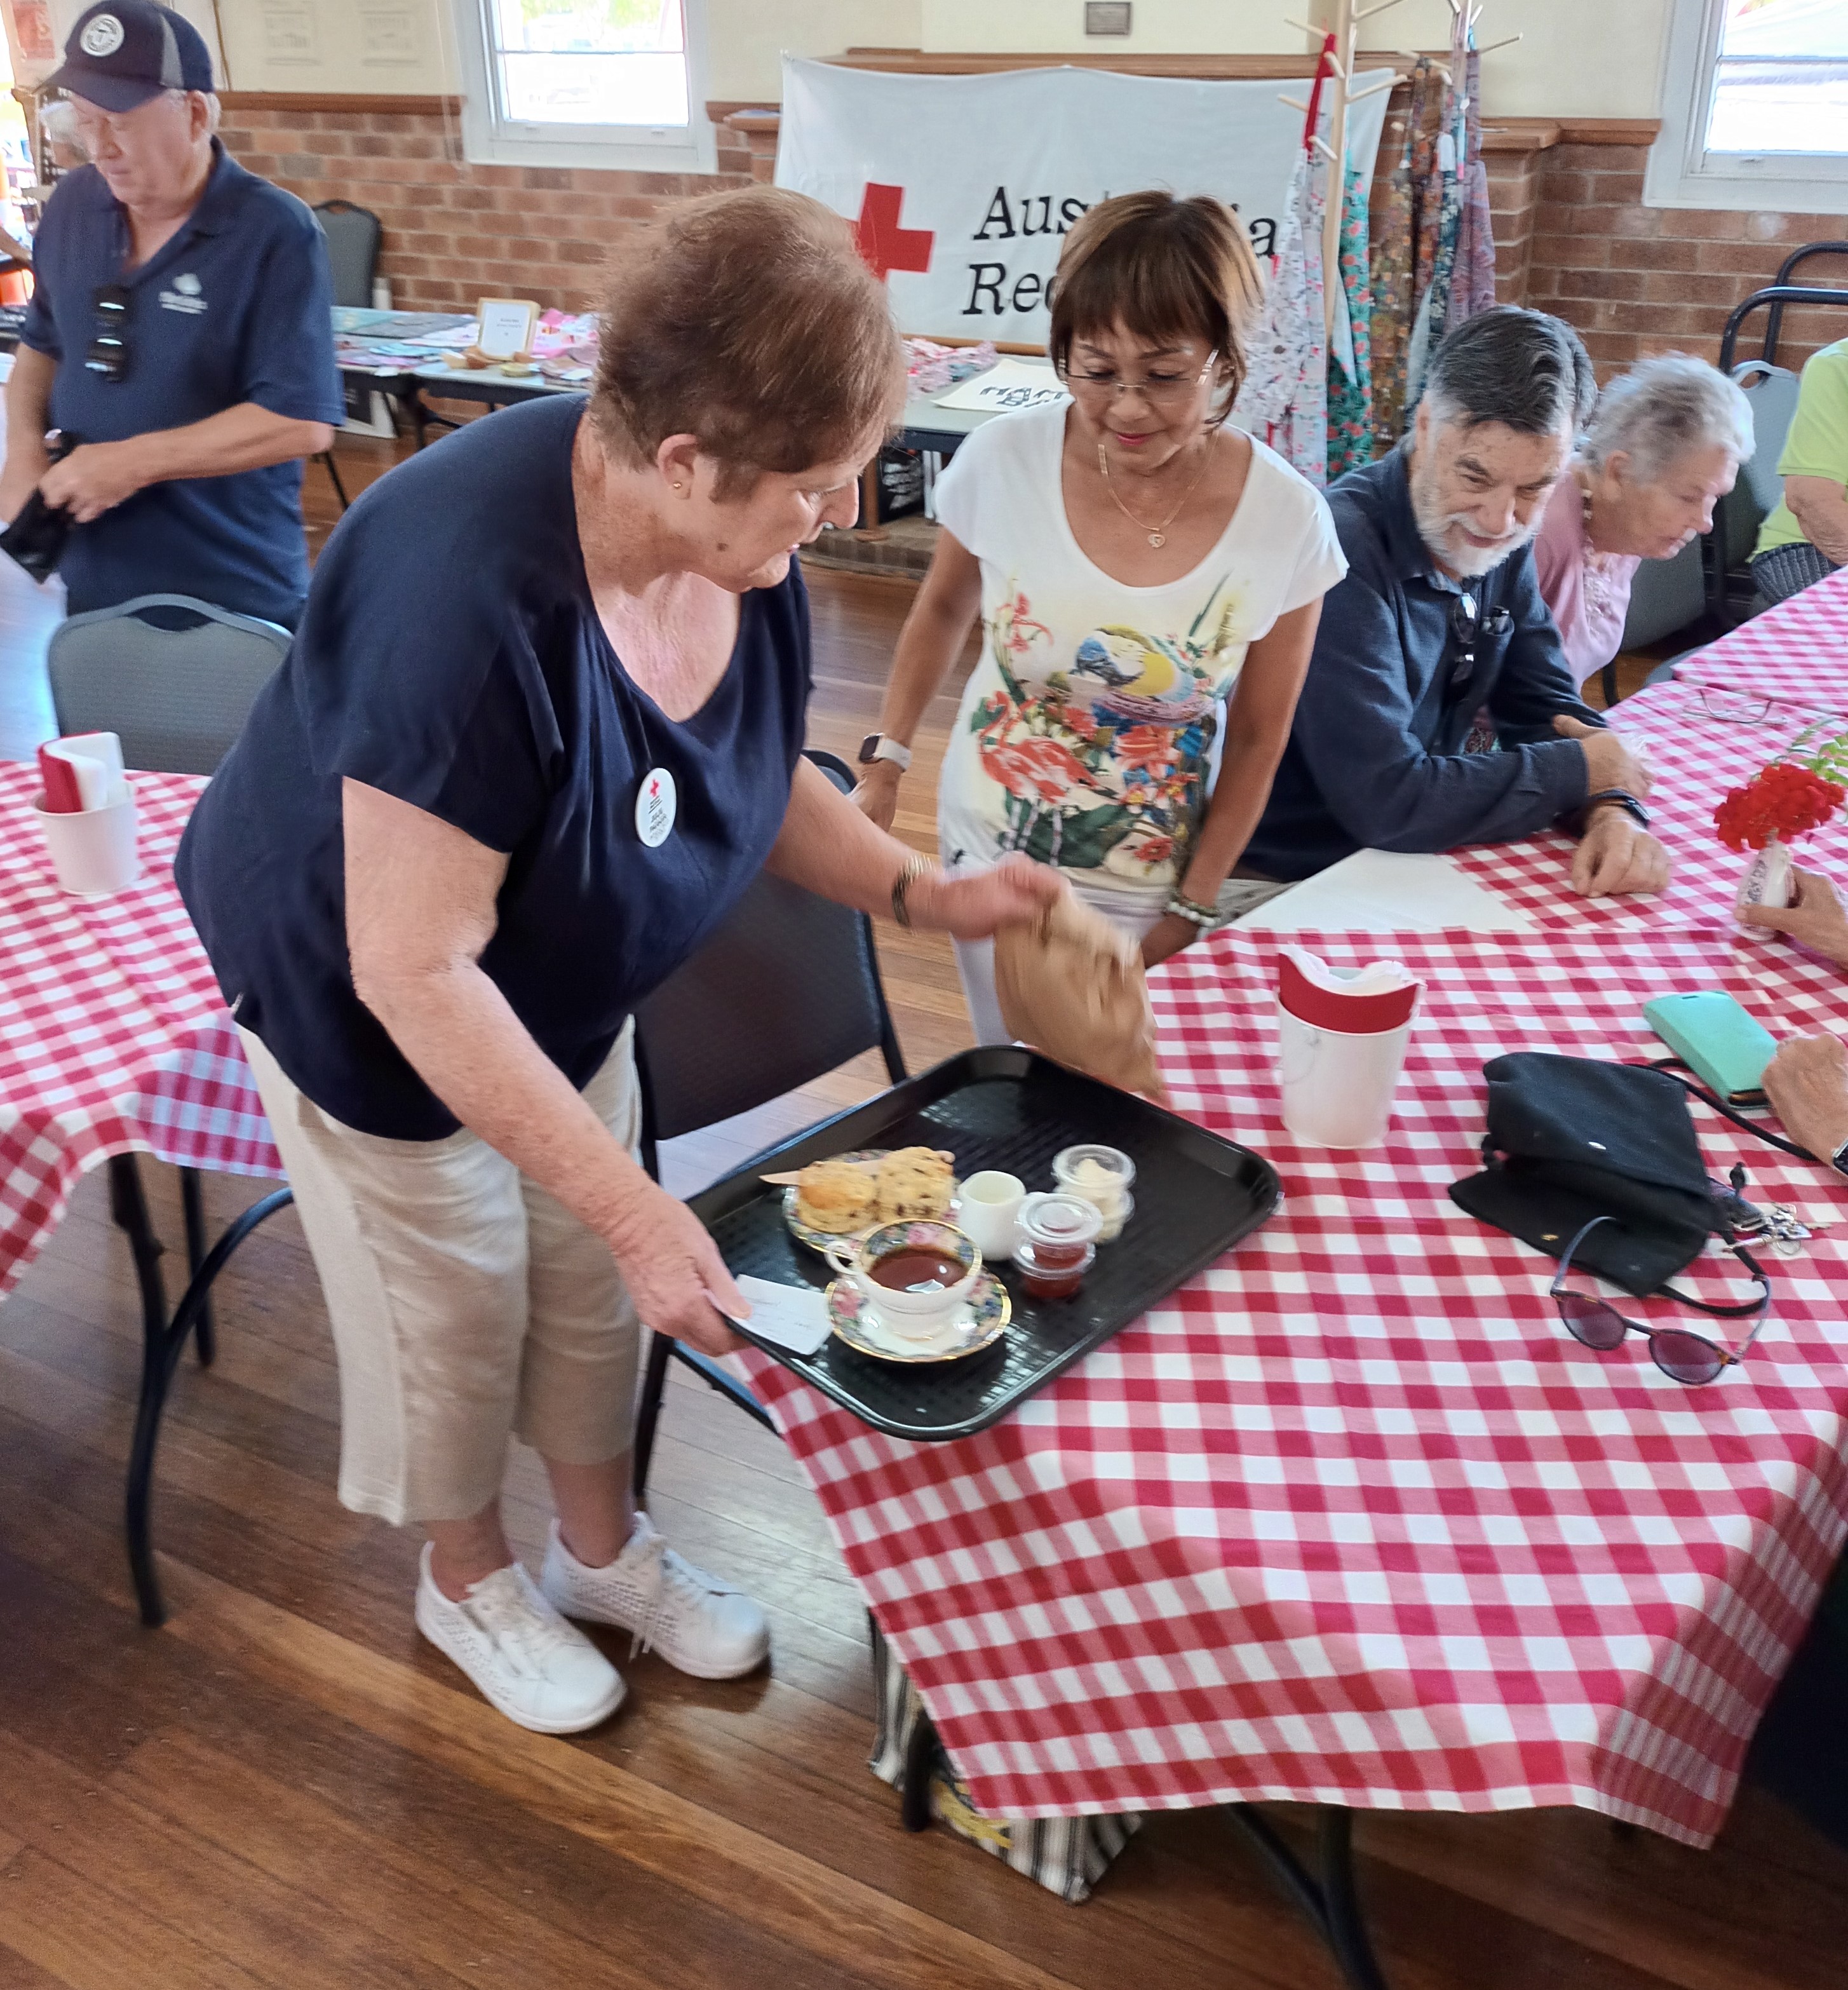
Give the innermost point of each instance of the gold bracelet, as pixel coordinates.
(914, 867)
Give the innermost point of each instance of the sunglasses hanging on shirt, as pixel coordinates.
(108, 354)
(1468, 626)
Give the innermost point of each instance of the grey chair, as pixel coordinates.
(787, 990)
(1772, 392)
(176, 697)
(353, 235)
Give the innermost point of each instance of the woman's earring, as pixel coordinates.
(678, 485)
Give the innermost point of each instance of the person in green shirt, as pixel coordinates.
(1807, 537)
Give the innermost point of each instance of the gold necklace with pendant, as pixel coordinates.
(1158, 535)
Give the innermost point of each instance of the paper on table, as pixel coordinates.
(1008, 383)
(791, 1316)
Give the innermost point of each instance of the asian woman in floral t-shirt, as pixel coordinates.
(1149, 580)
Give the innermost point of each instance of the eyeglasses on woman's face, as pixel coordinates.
(1166, 384)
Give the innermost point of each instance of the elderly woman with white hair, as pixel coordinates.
(1663, 448)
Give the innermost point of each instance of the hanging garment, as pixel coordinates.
(1434, 309)
(1350, 362)
(1284, 397)
(1389, 320)
(1473, 279)
(1427, 180)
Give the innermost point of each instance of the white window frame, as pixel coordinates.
(1680, 173)
(489, 137)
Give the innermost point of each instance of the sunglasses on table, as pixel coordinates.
(1735, 708)
(108, 353)
(1682, 1355)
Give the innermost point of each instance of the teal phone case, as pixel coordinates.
(1719, 1042)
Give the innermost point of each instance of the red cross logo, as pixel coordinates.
(882, 243)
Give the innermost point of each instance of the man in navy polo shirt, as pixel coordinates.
(181, 327)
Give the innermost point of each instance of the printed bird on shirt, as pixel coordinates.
(1137, 679)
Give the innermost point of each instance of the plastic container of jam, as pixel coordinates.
(1100, 1176)
(1058, 1243)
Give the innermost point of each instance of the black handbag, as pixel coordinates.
(1569, 1139)
(35, 539)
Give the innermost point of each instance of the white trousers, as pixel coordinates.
(466, 1304)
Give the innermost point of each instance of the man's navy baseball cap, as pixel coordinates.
(122, 53)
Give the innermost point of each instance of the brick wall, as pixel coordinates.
(454, 231)
(1636, 281)
(1572, 233)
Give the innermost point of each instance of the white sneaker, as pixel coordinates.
(538, 1670)
(698, 1625)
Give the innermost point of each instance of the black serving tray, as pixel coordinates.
(999, 1106)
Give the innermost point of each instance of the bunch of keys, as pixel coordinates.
(1776, 1225)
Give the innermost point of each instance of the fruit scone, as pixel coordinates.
(915, 1183)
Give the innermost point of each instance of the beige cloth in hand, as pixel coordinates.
(1072, 984)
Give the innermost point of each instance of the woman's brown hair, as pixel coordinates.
(1162, 269)
(748, 320)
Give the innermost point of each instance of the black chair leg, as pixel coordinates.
(647, 1407)
(340, 489)
(192, 1198)
(1608, 678)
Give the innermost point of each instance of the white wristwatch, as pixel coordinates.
(877, 746)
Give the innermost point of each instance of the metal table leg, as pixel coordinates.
(162, 1341)
(193, 1201)
(1332, 1902)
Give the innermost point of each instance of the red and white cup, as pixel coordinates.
(1340, 1054)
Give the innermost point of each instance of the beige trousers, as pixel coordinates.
(466, 1303)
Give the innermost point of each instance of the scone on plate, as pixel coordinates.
(915, 1183)
(838, 1197)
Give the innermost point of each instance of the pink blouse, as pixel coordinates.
(1589, 593)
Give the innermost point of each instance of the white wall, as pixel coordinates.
(407, 46)
(1577, 58)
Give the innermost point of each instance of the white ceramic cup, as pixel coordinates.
(988, 1209)
(1337, 1088)
(93, 852)
(914, 1316)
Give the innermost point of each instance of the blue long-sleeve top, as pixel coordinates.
(1375, 758)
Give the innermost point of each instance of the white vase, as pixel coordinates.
(1767, 878)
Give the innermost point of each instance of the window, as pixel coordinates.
(586, 83)
(1755, 106)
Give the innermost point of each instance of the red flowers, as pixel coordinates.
(1786, 800)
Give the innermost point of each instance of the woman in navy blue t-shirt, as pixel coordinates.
(542, 727)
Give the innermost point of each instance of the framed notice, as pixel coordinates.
(505, 326)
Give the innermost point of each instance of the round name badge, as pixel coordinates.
(656, 806)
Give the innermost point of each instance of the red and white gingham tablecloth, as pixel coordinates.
(1351, 1518)
(1696, 756)
(1797, 650)
(113, 1037)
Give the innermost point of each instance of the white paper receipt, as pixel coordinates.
(791, 1316)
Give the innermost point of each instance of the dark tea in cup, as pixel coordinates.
(916, 1270)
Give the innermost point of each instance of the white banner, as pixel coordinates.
(962, 186)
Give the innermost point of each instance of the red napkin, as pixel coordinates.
(82, 771)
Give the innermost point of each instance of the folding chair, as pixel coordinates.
(787, 989)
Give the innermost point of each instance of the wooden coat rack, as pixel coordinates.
(1343, 25)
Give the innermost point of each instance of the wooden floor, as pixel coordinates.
(286, 1787)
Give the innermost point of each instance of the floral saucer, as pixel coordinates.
(979, 1322)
